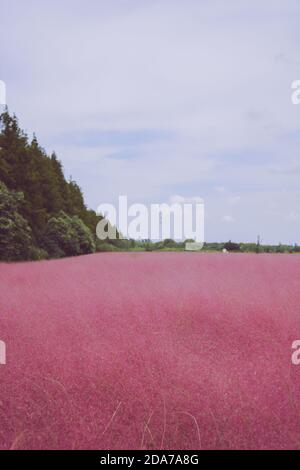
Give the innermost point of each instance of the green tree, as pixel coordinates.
(13, 151)
(15, 234)
(231, 246)
(67, 236)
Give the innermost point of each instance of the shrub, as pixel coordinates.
(230, 246)
(84, 236)
(104, 246)
(15, 234)
(169, 243)
(67, 236)
(37, 254)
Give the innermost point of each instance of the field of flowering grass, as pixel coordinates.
(150, 350)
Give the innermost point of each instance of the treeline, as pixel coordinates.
(251, 247)
(42, 215)
(172, 245)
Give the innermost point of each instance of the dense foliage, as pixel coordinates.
(67, 236)
(15, 233)
(49, 201)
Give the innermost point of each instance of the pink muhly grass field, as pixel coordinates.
(150, 350)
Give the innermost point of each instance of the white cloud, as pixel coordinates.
(293, 215)
(176, 199)
(233, 199)
(219, 189)
(227, 218)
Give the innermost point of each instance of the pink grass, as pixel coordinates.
(170, 350)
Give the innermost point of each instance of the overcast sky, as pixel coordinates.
(158, 98)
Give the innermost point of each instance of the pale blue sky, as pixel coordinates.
(163, 97)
